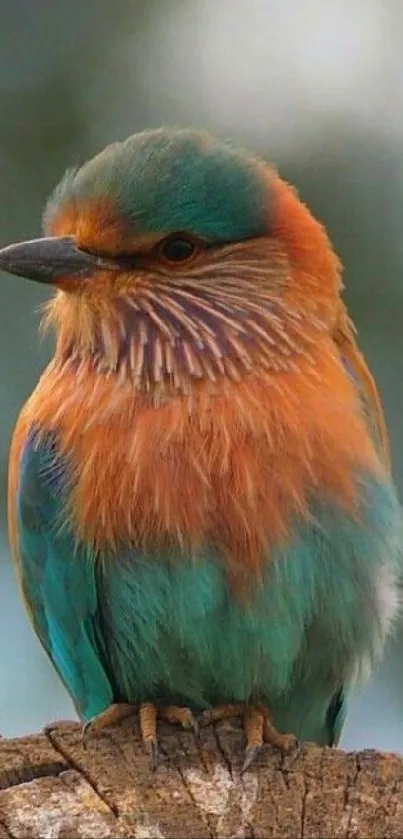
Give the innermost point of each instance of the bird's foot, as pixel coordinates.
(148, 716)
(258, 728)
(112, 715)
(181, 715)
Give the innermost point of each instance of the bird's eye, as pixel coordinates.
(178, 248)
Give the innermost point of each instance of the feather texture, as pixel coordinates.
(200, 502)
(151, 625)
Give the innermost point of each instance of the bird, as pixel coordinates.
(202, 511)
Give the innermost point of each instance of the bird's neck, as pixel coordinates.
(231, 469)
(175, 343)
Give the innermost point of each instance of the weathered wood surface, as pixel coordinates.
(52, 787)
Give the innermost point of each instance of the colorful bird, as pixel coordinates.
(201, 509)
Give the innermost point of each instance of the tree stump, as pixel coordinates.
(54, 787)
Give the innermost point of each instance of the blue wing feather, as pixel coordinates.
(59, 581)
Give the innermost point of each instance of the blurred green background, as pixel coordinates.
(315, 88)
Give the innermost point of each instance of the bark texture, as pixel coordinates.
(52, 787)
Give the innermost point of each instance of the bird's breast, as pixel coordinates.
(230, 470)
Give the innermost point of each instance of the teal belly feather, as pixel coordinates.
(131, 627)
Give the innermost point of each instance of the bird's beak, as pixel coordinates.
(49, 259)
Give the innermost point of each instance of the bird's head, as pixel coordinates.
(178, 258)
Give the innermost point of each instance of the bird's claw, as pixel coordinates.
(149, 714)
(250, 753)
(181, 716)
(113, 715)
(195, 726)
(154, 753)
(85, 733)
(258, 728)
(294, 752)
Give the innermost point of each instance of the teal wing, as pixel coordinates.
(58, 579)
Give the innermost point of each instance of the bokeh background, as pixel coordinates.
(315, 87)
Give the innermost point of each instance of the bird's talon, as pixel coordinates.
(251, 753)
(205, 718)
(221, 713)
(189, 721)
(284, 742)
(294, 752)
(291, 743)
(86, 733)
(111, 716)
(152, 747)
(179, 715)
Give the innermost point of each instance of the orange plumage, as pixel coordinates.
(203, 467)
(252, 458)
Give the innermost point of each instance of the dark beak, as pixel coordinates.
(49, 259)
